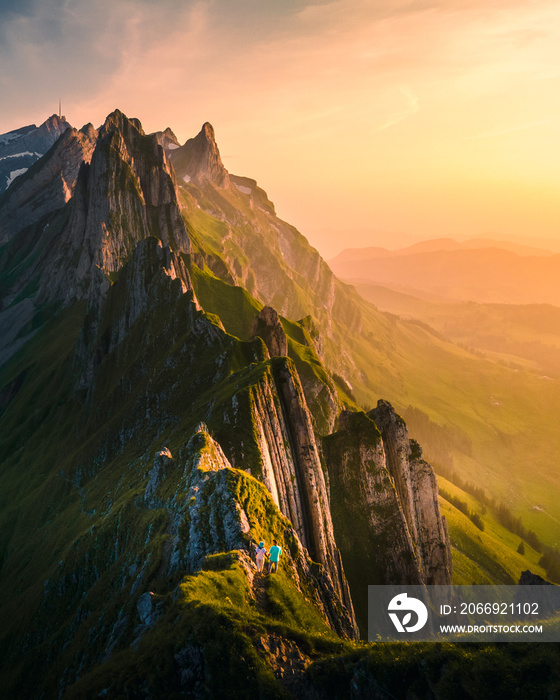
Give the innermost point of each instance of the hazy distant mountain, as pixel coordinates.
(526, 335)
(20, 148)
(438, 244)
(479, 270)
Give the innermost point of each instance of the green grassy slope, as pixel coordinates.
(487, 556)
(498, 423)
(526, 336)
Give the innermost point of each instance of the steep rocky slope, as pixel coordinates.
(145, 446)
(385, 509)
(469, 413)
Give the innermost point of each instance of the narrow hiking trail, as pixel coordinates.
(259, 591)
(287, 661)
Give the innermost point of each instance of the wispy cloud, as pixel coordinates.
(412, 106)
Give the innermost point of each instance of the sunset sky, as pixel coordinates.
(421, 118)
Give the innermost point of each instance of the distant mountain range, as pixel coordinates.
(481, 270)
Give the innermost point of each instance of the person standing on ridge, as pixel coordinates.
(260, 554)
(274, 554)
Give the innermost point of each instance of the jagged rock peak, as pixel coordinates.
(167, 139)
(268, 327)
(55, 124)
(199, 159)
(118, 120)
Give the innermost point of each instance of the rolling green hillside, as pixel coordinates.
(493, 424)
(485, 553)
(525, 336)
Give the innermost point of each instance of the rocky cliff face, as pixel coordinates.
(121, 362)
(385, 506)
(267, 326)
(416, 485)
(48, 184)
(199, 160)
(291, 468)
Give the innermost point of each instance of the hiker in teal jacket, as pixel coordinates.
(274, 555)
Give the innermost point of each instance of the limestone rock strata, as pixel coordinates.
(83, 209)
(126, 195)
(291, 467)
(385, 507)
(369, 523)
(416, 485)
(154, 276)
(268, 327)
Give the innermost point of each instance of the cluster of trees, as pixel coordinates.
(443, 441)
(463, 507)
(550, 559)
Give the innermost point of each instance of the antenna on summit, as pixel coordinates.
(59, 108)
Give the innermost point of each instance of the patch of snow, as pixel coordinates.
(14, 174)
(18, 155)
(245, 190)
(187, 178)
(172, 146)
(6, 138)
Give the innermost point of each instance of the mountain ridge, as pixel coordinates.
(151, 435)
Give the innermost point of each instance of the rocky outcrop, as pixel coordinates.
(219, 509)
(291, 468)
(268, 327)
(167, 140)
(528, 578)
(416, 485)
(199, 160)
(154, 277)
(129, 193)
(122, 192)
(385, 507)
(369, 523)
(48, 184)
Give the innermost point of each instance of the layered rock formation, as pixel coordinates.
(268, 327)
(385, 507)
(291, 468)
(416, 485)
(48, 184)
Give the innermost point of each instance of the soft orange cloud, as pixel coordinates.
(426, 117)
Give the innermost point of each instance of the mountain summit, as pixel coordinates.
(199, 159)
(152, 433)
(19, 149)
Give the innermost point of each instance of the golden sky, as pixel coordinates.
(423, 118)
